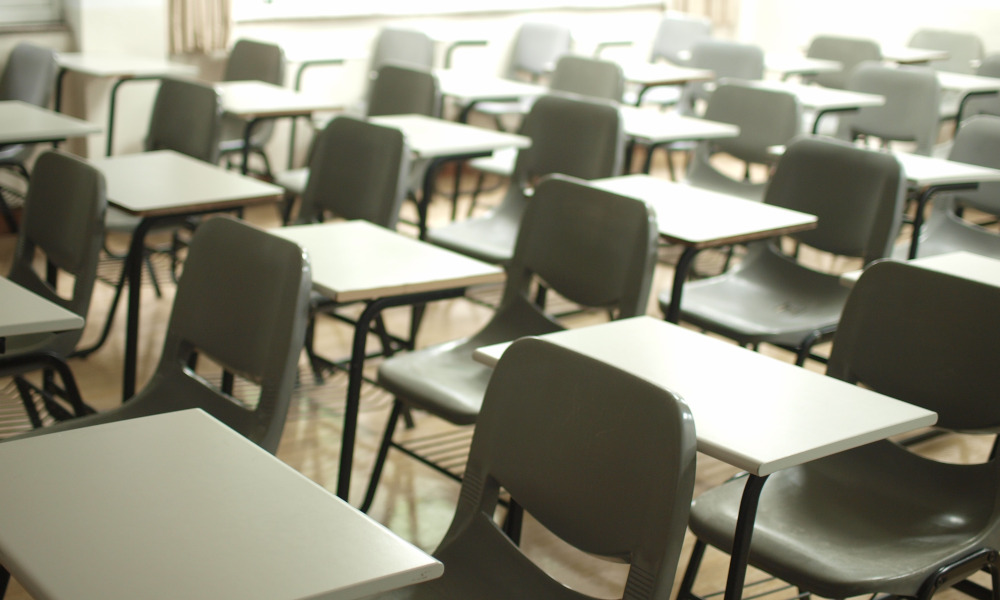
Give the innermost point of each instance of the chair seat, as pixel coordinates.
(852, 503)
(489, 239)
(443, 379)
(514, 107)
(500, 162)
(767, 299)
(294, 180)
(945, 232)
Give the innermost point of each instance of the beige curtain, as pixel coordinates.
(199, 26)
(724, 14)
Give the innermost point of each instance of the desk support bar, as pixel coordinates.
(922, 200)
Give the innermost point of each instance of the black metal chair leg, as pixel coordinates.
(512, 522)
(691, 572)
(383, 451)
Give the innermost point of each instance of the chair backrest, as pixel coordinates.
(64, 219)
(926, 338)
(398, 90)
(911, 111)
(856, 194)
(848, 51)
(242, 301)
(186, 118)
(590, 246)
(589, 77)
(29, 75)
(405, 47)
(990, 105)
(536, 48)
(251, 60)
(573, 136)
(676, 34)
(602, 458)
(765, 117)
(728, 60)
(357, 170)
(965, 49)
(977, 142)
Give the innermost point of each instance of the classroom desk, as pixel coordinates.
(23, 123)
(821, 99)
(469, 89)
(654, 128)
(25, 312)
(178, 505)
(786, 65)
(359, 261)
(976, 267)
(967, 86)
(255, 101)
(905, 55)
(696, 219)
(161, 187)
(438, 141)
(932, 175)
(120, 68)
(650, 75)
(762, 416)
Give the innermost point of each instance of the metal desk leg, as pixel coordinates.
(677, 288)
(741, 538)
(133, 270)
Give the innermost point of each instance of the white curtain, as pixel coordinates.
(199, 26)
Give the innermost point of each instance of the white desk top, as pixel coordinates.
(905, 55)
(124, 66)
(816, 97)
(657, 127)
(976, 267)
(702, 218)
(26, 312)
(356, 260)
(180, 506)
(166, 182)
(923, 171)
(785, 64)
(764, 415)
(653, 74)
(962, 82)
(474, 87)
(429, 137)
(258, 99)
(21, 122)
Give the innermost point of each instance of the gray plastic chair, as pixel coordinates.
(976, 142)
(848, 51)
(594, 248)
(615, 481)
(990, 104)
(881, 519)
(28, 76)
(64, 221)
(395, 90)
(766, 118)
(911, 112)
(186, 118)
(250, 60)
(965, 49)
(676, 35)
(572, 136)
(404, 47)
(729, 61)
(242, 303)
(857, 195)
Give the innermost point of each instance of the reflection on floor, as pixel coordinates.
(413, 501)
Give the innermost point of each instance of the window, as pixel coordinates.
(24, 12)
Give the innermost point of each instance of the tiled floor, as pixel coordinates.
(413, 501)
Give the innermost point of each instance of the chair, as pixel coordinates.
(910, 112)
(358, 170)
(965, 49)
(404, 47)
(879, 519)
(64, 222)
(589, 77)
(28, 76)
(571, 136)
(765, 117)
(186, 118)
(728, 60)
(675, 36)
(241, 303)
(250, 60)
(626, 439)
(857, 196)
(594, 248)
(395, 90)
(989, 104)
(976, 142)
(848, 51)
